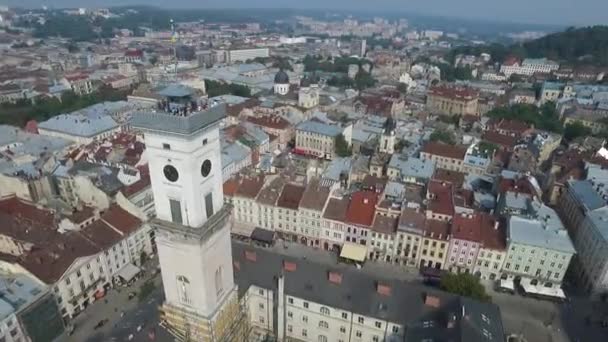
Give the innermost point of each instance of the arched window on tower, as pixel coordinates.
(219, 287)
(183, 288)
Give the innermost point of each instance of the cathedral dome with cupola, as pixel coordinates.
(281, 83)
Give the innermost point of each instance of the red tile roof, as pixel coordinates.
(503, 140)
(441, 201)
(454, 177)
(120, 219)
(444, 150)
(467, 227)
(361, 208)
(270, 121)
(250, 186)
(458, 93)
(492, 233)
(50, 263)
(230, 186)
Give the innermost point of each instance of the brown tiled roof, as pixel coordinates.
(101, 234)
(441, 202)
(336, 209)
(250, 187)
(315, 196)
(518, 185)
(361, 208)
(271, 121)
(291, 196)
(412, 219)
(458, 93)
(503, 140)
(143, 183)
(50, 263)
(270, 193)
(514, 126)
(454, 177)
(230, 186)
(120, 219)
(438, 229)
(384, 224)
(23, 221)
(492, 234)
(445, 150)
(467, 227)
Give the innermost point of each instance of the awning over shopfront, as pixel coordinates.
(128, 272)
(262, 235)
(353, 252)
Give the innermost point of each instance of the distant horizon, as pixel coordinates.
(554, 13)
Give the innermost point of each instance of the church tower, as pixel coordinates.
(193, 225)
(387, 140)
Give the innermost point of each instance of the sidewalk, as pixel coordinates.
(117, 301)
(374, 268)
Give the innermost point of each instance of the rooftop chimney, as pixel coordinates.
(289, 266)
(432, 301)
(251, 256)
(383, 289)
(334, 277)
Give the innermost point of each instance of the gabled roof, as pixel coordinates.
(361, 208)
(444, 150)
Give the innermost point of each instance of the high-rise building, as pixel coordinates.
(193, 239)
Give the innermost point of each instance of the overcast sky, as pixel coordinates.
(565, 12)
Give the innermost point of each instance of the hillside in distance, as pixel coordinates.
(584, 45)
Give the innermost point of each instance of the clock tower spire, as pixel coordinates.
(193, 224)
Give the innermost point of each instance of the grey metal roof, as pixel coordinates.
(234, 153)
(586, 194)
(412, 167)
(79, 125)
(319, 128)
(178, 124)
(534, 232)
(357, 293)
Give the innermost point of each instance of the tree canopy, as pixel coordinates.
(341, 146)
(215, 88)
(443, 136)
(575, 130)
(340, 64)
(545, 117)
(19, 113)
(573, 46)
(464, 284)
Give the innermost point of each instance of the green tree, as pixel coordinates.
(443, 136)
(464, 284)
(575, 130)
(545, 117)
(364, 79)
(342, 148)
(215, 88)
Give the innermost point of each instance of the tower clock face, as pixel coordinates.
(206, 168)
(170, 173)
